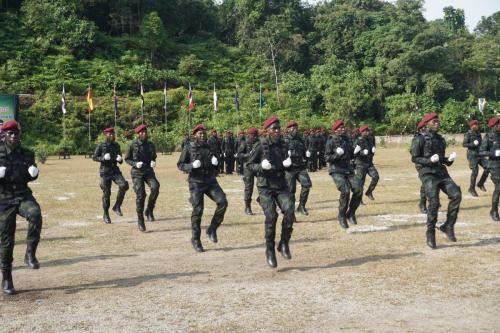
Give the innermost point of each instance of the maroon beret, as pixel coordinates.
(473, 122)
(10, 125)
(253, 131)
(292, 123)
(269, 121)
(337, 124)
(140, 128)
(363, 128)
(108, 130)
(199, 127)
(420, 125)
(429, 117)
(493, 121)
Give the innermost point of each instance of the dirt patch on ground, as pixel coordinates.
(378, 276)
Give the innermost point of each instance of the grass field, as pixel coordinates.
(377, 276)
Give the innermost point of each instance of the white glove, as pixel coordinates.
(373, 150)
(265, 164)
(289, 153)
(215, 161)
(138, 165)
(452, 157)
(308, 153)
(119, 158)
(497, 152)
(224, 154)
(33, 171)
(107, 156)
(2, 171)
(435, 158)
(476, 142)
(196, 164)
(339, 151)
(153, 164)
(235, 155)
(287, 163)
(357, 149)
(365, 151)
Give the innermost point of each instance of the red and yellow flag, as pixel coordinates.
(89, 100)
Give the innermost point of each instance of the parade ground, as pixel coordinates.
(378, 276)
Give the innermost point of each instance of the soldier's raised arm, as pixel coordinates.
(254, 161)
(467, 142)
(331, 151)
(97, 154)
(417, 151)
(153, 152)
(129, 157)
(185, 163)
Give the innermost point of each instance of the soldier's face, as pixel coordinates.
(143, 135)
(292, 130)
(364, 134)
(110, 137)
(497, 127)
(275, 131)
(474, 127)
(201, 135)
(433, 125)
(340, 130)
(12, 138)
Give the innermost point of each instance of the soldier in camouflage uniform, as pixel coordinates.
(109, 154)
(491, 148)
(17, 168)
(244, 152)
(141, 156)
(339, 152)
(364, 151)
(269, 161)
(201, 162)
(472, 141)
(428, 154)
(229, 151)
(297, 172)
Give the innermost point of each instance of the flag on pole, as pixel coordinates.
(115, 100)
(237, 101)
(216, 107)
(89, 100)
(63, 101)
(142, 97)
(261, 98)
(481, 103)
(165, 97)
(190, 97)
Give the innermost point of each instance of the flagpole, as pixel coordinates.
(142, 104)
(165, 110)
(114, 102)
(237, 104)
(88, 111)
(260, 103)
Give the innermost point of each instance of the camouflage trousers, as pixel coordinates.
(474, 164)
(301, 176)
(433, 184)
(345, 184)
(249, 180)
(495, 177)
(371, 171)
(197, 200)
(30, 210)
(140, 191)
(313, 161)
(269, 199)
(106, 181)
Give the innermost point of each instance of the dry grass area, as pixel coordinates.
(377, 276)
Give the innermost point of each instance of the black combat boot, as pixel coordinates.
(343, 222)
(271, 256)
(30, 257)
(494, 215)
(449, 231)
(472, 191)
(302, 209)
(198, 247)
(7, 283)
(284, 250)
(481, 187)
(431, 238)
(106, 218)
(421, 206)
(370, 195)
(351, 218)
(248, 208)
(149, 214)
(140, 222)
(212, 234)
(117, 209)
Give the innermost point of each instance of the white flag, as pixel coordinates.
(215, 100)
(63, 100)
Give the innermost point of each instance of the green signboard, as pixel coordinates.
(9, 107)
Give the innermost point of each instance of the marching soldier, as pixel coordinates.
(141, 156)
(229, 150)
(472, 141)
(17, 168)
(422, 204)
(109, 154)
(428, 154)
(297, 172)
(313, 150)
(269, 161)
(491, 148)
(364, 151)
(244, 152)
(339, 153)
(201, 162)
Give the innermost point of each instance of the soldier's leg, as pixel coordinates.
(474, 166)
(454, 194)
(373, 173)
(266, 201)
(484, 164)
(122, 189)
(360, 173)
(30, 210)
(154, 185)
(291, 182)
(140, 193)
(357, 194)
(344, 187)
(432, 193)
(287, 207)
(423, 200)
(197, 192)
(495, 177)
(248, 180)
(215, 192)
(305, 187)
(7, 240)
(106, 192)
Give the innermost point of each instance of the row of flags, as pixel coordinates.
(191, 103)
